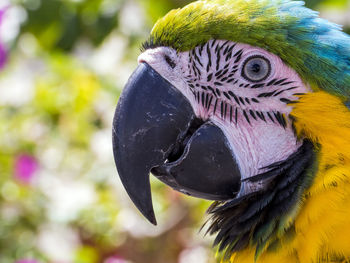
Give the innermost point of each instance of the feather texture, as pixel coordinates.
(322, 223)
(259, 219)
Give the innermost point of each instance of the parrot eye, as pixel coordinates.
(256, 68)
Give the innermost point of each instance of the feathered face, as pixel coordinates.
(241, 89)
(209, 122)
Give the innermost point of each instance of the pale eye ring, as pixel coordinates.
(256, 68)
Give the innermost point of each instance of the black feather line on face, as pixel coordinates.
(208, 65)
(246, 220)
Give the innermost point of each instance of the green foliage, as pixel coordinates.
(60, 24)
(158, 8)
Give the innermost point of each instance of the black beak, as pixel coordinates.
(155, 129)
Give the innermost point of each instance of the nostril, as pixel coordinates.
(140, 61)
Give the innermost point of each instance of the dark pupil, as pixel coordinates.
(255, 68)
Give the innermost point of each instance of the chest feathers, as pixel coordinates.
(319, 228)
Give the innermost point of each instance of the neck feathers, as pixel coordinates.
(259, 219)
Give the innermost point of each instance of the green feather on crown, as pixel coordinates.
(315, 48)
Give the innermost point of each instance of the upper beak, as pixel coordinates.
(155, 129)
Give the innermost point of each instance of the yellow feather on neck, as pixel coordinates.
(322, 225)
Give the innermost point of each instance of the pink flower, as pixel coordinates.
(115, 259)
(25, 168)
(2, 13)
(27, 261)
(3, 55)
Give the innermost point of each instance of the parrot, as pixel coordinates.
(245, 103)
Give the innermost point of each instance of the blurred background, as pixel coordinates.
(63, 64)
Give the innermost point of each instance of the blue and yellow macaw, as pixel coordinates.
(244, 102)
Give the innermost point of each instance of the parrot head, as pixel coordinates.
(208, 110)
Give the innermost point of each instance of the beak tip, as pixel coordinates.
(148, 212)
(152, 219)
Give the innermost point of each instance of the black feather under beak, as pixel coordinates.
(155, 130)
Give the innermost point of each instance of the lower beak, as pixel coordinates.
(155, 130)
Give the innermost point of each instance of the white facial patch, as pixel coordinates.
(244, 90)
